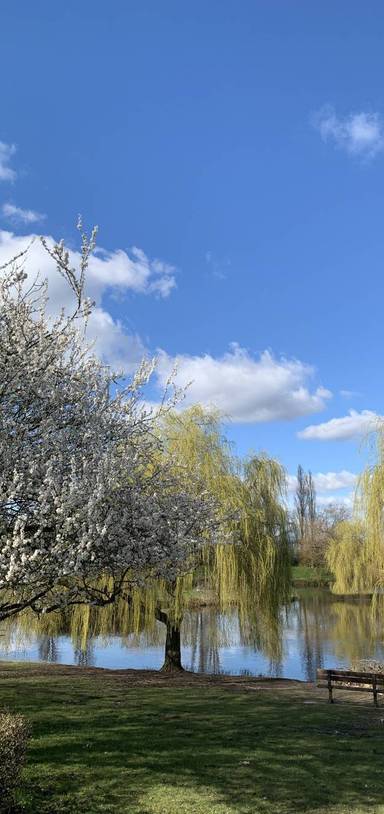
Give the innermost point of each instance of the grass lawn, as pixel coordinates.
(103, 743)
(309, 575)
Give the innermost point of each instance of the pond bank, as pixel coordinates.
(146, 678)
(303, 576)
(307, 576)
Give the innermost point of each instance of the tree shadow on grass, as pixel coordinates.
(110, 751)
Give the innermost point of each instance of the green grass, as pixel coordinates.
(100, 745)
(310, 575)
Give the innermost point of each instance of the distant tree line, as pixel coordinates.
(313, 528)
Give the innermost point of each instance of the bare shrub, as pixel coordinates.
(368, 666)
(14, 734)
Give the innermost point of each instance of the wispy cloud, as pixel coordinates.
(353, 425)
(360, 134)
(7, 173)
(332, 500)
(18, 215)
(246, 388)
(350, 394)
(327, 481)
(218, 267)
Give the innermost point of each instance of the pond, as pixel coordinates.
(315, 630)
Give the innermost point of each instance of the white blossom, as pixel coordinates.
(89, 504)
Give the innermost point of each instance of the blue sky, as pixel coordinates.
(240, 148)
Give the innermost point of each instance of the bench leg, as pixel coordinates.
(375, 693)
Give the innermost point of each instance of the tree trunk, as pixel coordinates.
(172, 656)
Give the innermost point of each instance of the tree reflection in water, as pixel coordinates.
(316, 629)
(48, 649)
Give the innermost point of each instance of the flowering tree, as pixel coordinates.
(88, 505)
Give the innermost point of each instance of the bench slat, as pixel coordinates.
(350, 673)
(348, 687)
(340, 670)
(354, 680)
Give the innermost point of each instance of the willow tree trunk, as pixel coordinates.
(172, 655)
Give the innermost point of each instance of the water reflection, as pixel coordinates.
(48, 648)
(315, 630)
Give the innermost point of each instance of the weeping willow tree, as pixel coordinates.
(346, 558)
(356, 554)
(251, 565)
(370, 504)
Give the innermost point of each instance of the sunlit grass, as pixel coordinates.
(311, 575)
(102, 745)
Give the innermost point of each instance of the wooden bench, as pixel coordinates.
(350, 680)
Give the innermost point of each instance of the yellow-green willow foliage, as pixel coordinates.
(356, 555)
(256, 570)
(346, 559)
(370, 503)
(196, 444)
(252, 567)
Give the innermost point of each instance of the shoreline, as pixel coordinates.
(147, 678)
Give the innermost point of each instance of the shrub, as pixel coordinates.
(368, 666)
(14, 734)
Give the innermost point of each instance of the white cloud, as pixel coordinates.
(134, 271)
(360, 134)
(350, 394)
(342, 429)
(330, 500)
(19, 215)
(6, 153)
(108, 272)
(292, 483)
(327, 481)
(331, 481)
(245, 388)
(116, 270)
(112, 343)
